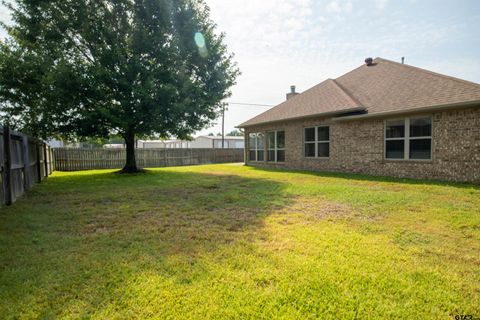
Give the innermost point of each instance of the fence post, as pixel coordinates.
(7, 166)
(52, 161)
(38, 164)
(26, 163)
(45, 159)
(245, 155)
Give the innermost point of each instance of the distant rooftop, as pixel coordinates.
(220, 137)
(208, 137)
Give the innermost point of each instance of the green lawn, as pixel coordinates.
(229, 241)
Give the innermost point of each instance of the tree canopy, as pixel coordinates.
(235, 133)
(84, 68)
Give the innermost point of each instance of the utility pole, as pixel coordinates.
(241, 104)
(223, 126)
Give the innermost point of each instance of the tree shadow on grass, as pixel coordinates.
(372, 178)
(73, 244)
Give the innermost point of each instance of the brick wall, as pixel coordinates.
(358, 146)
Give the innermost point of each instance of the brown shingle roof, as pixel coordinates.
(386, 86)
(325, 97)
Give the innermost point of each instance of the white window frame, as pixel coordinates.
(256, 149)
(406, 138)
(316, 142)
(275, 148)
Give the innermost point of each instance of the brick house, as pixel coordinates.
(382, 118)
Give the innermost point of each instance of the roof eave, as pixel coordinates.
(475, 103)
(323, 114)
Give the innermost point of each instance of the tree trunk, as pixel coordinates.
(131, 163)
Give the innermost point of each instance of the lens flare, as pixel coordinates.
(200, 42)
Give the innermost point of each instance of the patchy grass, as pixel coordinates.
(228, 241)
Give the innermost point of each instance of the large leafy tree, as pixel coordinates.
(90, 68)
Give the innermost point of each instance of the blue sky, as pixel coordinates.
(278, 43)
(302, 42)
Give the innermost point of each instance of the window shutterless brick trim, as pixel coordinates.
(316, 141)
(257, 147)
(407, 138)
(275, 148)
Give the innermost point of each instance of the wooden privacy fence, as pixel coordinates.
(71, 159)
(24, 161)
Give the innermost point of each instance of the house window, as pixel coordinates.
(317, 142)
(408, 139)
(276, 146)
(256, 143)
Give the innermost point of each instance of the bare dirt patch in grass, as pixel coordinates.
(319, 208)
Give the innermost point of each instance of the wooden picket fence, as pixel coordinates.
(24, 161)
(72, 159)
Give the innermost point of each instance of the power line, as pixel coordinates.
(240, 104)
(251, 104)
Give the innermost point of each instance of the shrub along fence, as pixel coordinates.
(24, 161)
(71, 159)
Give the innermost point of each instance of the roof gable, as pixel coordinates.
(325, 97)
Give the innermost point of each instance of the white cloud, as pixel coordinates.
(381, 4)
(261, 26)
(338, 6)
